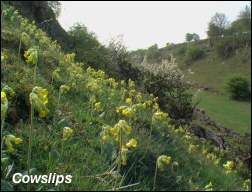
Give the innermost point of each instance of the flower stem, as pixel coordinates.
(154, 186)
(30, 145)
(120, 151)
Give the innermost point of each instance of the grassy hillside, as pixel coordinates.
(210, 71)
(63, 117)
(232, 114)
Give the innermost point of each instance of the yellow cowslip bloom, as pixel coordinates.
(39, 104)
(42, 93)
(31, 55)
(117, 139)
(3, 97)
(10, 150)
(180, 130)
(129, 101)
(18, 141)
(131, 84)
(205, 151)
(164, 159)
(124, 155)
(64, 89)
(132, 143)
(114, 131)
(67, 132)
(228, 172)
(11, 137)
(106, 137)
(160, 115)
(4, 160)
(74, 86)
(156, 107)
(128, 112)
(217, 162)
(210, 185)
(187, 137)
(4, 105)
(98, 107)
(121, 125)
(247, 185)
(119, 109)
(2, 56)
(122, 82)
(192, 148)
(132, 93)
(229, 165)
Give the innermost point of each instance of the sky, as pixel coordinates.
(144, 23)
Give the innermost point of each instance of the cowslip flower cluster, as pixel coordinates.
(121, 125)
(64, 89)
(38, 98)
(247, 185)
(159, 116)
(8, 139)
(125, 150)
(31, 55)
(98, 107)
(129, 101)
(4, 105)
(192, 148)
(67, 132)
(229, 165)
(121, 128)
(180, 130)
(209, 187)
(163, 159)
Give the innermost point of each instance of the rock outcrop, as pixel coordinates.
(45, 19)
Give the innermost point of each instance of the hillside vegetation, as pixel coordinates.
(61, 116)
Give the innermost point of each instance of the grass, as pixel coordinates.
(211, 71)
(231, 114)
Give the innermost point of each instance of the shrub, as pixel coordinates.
(166, 81)
(237, 87)
(193, 53)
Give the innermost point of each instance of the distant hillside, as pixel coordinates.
(209, 70)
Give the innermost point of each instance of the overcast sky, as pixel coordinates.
(145, 23)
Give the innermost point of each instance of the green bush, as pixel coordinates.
(193, 53)
(237, 87)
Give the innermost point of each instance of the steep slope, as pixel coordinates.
(73, 120)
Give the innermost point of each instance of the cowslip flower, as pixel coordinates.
(11, 138)
(129, 101)
(124, 155)
(38, 98)
(131, 143)
(210, 185)
(128, 112)
(217, 162)
(31, 55)
(229, 165)
(121, 125)
(163, 159)
(192, 148)
(67, 132)
(64, 89)
(4, 105)
(98, 107)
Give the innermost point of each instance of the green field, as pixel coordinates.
(211, 71)
(231, 114)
